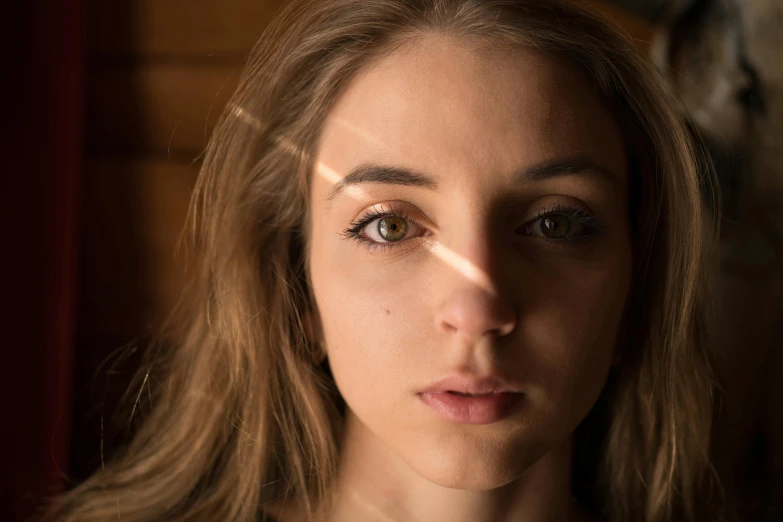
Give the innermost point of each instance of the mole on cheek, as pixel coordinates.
(387, 311)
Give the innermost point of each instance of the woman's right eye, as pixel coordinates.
(381, 230)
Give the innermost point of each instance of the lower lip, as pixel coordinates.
(471, 409)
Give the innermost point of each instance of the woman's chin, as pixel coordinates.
(474, 467)
(476, 482)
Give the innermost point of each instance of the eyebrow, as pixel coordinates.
(372, 173)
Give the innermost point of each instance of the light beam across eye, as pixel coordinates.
(459, 263)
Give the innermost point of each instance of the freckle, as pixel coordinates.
(387, 311)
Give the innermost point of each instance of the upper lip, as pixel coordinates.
(473, 385)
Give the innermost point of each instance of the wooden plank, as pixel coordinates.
(133, 214)
(156, 108)
(177, 27)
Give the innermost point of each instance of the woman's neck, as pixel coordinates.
(375, 485)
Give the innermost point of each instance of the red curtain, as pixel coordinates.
(43, 101)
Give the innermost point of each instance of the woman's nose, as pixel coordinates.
(474, 313)
(472, 301)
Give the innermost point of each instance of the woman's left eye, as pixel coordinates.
(386, 229)
(558, 223)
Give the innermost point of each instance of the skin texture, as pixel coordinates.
(541, 313)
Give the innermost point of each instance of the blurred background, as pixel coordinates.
(109, 108)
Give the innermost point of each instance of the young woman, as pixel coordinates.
(453, 260)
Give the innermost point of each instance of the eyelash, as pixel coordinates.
(592, 227)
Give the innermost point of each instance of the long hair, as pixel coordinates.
(244, 416)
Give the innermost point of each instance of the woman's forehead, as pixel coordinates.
(438, 104)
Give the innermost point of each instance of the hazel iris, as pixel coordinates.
(392, 228)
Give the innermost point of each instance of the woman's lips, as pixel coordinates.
(471, 409)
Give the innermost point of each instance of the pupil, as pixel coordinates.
(395, 227)
(553, 225)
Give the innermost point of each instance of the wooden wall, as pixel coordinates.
(159, 75)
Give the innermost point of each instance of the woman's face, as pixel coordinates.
(464, 280)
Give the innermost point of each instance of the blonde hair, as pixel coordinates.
(244, 416)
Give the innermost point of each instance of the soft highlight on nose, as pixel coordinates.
(465, 267)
